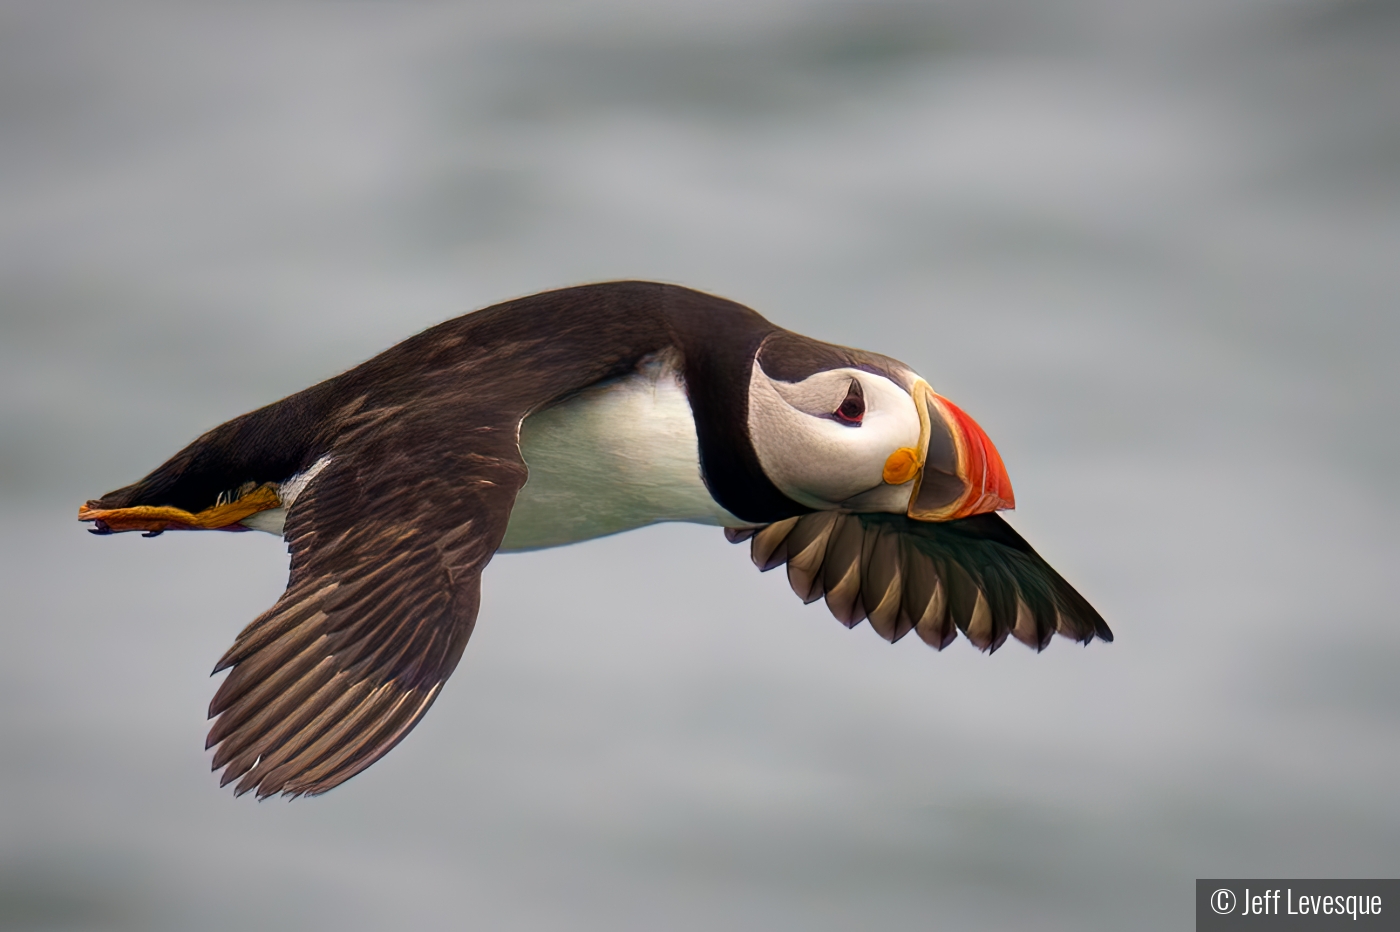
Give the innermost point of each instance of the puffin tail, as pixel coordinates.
(241, 460)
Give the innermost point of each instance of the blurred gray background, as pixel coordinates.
(1153, 247)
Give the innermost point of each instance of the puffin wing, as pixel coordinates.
(388, 542)
(975, 575)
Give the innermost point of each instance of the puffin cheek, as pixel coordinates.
(840, 462)
(837, 472)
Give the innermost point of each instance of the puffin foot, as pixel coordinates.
(155, 519)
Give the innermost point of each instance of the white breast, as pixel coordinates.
(614, 457)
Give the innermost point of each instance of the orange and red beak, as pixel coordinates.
(957, 471)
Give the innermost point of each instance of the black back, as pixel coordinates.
(577, 337)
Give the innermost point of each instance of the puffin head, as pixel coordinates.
(835, 428)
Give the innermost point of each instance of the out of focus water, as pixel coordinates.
(1154, 248)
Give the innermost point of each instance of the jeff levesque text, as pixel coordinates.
(1287, 903)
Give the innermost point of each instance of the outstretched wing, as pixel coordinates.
(975, 575)
(388, 542)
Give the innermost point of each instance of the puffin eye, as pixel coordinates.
(852, 410)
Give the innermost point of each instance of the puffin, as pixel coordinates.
(562, 417)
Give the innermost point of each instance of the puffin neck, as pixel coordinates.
(719, 340)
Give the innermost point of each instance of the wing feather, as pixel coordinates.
(975, 575)
(388, 543)
(768, 548)
(881, 584)
(806, 546)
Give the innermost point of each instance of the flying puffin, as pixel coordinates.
(562, 417)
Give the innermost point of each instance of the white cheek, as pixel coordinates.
(819, 461)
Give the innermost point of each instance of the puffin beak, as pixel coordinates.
(957, 471)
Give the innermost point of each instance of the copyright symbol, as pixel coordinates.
(1223, 901)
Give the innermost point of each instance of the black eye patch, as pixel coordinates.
(852, 409)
